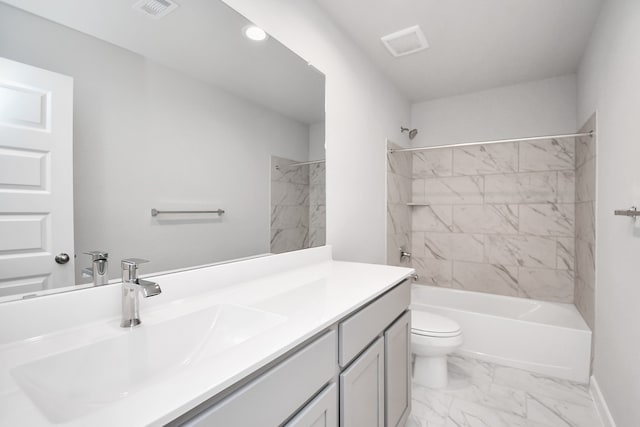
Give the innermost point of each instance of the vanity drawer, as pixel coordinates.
(356, 332)
(273, 397)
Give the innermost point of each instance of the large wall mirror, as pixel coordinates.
(176, 137)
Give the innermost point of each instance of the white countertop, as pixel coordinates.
(311, 294)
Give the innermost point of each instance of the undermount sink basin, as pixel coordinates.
(68, 385)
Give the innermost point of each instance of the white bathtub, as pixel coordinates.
(544, 337)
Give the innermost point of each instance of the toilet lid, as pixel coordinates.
(429, 324)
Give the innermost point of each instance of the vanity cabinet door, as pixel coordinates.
(362, 389)
(320, 412)
(397, 379)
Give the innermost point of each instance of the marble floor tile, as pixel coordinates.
(482, 394)
(430, 405)
(555, 412)
(543, 385)
(415, 421)
(464, 371)
(494, 396)
(469, 414)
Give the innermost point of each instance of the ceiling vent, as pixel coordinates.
(155, 9)
(405, 42)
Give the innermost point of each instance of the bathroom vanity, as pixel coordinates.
(294, 339)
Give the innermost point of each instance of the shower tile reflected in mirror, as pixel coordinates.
(317, 205)
(297, 205)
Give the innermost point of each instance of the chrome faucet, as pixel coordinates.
(404, 255)
(131, 288)
(99, 267)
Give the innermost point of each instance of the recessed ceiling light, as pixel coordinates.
(254, 33)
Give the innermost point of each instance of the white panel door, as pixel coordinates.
(36, 178)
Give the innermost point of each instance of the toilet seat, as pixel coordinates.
(431, 325)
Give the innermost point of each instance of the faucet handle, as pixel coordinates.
(97, 255)
(130, 268)
(133, 262)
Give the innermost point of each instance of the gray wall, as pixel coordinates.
(609, 83)
(543, 107)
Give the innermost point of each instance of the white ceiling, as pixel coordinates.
(203, 39)
(474, 44)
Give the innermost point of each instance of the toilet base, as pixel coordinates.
(431, 371)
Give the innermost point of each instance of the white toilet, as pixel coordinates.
(433, 337)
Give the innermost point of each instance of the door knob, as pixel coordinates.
(62, 258)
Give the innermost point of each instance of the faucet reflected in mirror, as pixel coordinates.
(132, 287)
(99, 269)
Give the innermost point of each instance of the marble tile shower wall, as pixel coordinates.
(495, 218)
(289, 206)
(585, 224)
(399, 166)
(317, 205)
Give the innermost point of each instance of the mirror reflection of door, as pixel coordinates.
(36, 177)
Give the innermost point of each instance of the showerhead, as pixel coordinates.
(412, 132)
